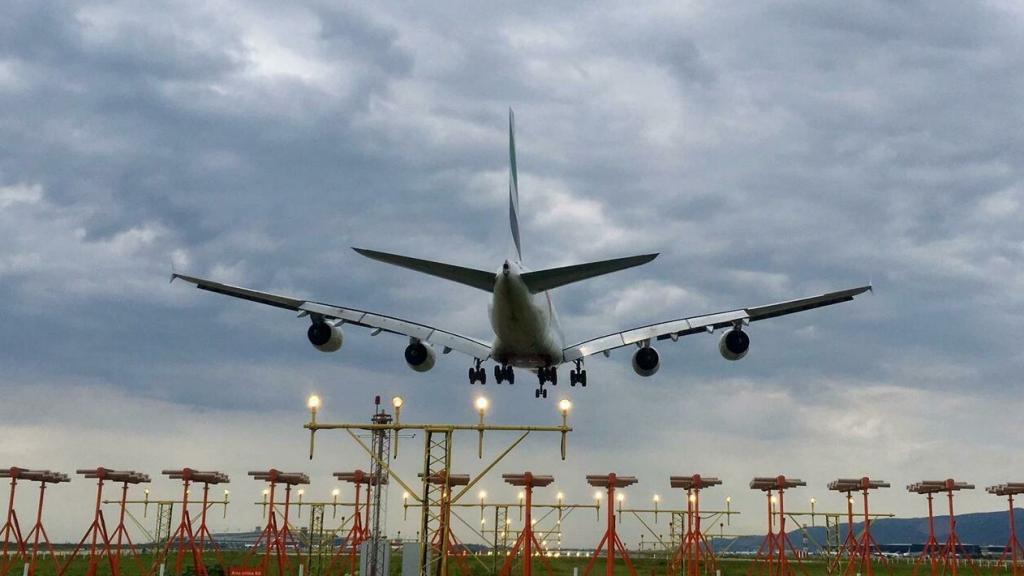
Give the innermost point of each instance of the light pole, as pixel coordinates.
(481, 404)
(564, 405)
(397, 402)
(314, 405)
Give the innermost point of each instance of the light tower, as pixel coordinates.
(694, 551)
(1014, 552)
(527, 541)
(777, 553)
(38, 532)
(610, 541)
(860, 553)
(276, 537)
(380, 447)
(952, 553)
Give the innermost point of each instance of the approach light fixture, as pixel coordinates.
(313, 402)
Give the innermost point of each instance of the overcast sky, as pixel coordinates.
(767, 151)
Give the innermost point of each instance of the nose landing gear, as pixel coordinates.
(545, 375)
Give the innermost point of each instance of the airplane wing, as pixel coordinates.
(673, 329)
(441, 338)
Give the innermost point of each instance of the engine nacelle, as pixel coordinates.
(646, 361)
(324, 337)
(734, 344)
(419, 356)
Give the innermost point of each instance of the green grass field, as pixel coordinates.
(477, 565)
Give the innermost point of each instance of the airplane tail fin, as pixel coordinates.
(542, 280)
(480, 279)
(513, 186)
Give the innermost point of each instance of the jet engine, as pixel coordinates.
(645, 361)
(419, 356)
(734, 344)
(324, 337)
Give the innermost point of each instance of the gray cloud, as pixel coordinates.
(766, 150)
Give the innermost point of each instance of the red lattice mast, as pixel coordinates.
(99, 539)
(777, 555)
(1014, 553)
(187, 539)
(695, 552)
(276, 537)
(610, 541)
(359, 532)
(950, 555)
(38, 532)
(12, 528)
(860, 552)
(527, 541)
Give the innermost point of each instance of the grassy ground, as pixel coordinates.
(478, 566)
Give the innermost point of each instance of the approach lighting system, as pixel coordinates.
(397, 402)
(481, 404)
(313, 402)
(564, 405)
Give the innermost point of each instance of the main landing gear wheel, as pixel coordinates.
(504, 373)
(477, 374)
(578, 376)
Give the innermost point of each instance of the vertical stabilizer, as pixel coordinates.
(513, 186)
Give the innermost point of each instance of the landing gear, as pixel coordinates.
(578, 375)
(504, 373)
(545, 375)
(477, 374)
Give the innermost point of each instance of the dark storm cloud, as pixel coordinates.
(766, 150)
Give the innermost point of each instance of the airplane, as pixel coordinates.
(527, 333)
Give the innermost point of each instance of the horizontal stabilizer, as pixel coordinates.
(476, 278)
(542, 280)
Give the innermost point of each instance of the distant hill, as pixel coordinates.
(982, 528)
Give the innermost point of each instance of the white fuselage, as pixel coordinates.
(526, 329)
